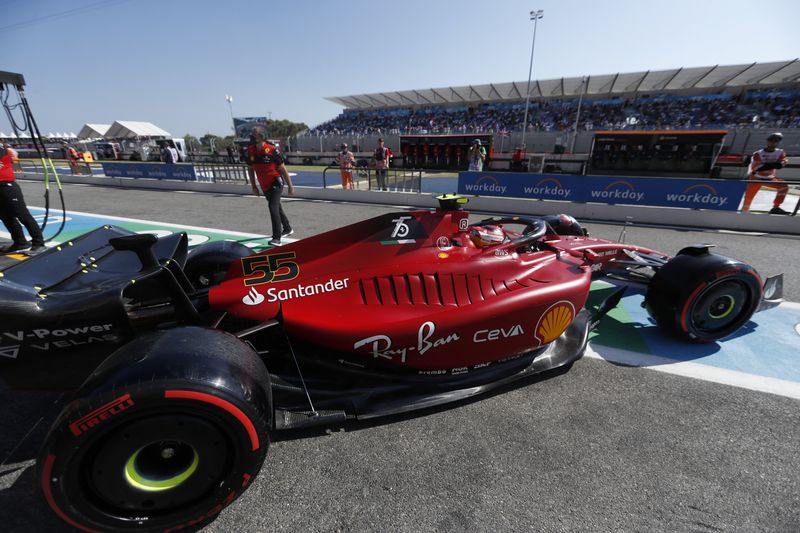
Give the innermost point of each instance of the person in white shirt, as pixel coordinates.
(762, 173)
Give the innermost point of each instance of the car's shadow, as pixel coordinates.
(358, 425)
(29, 416)
(640, 334)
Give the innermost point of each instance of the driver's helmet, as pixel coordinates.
(564, 225)
(484, 236)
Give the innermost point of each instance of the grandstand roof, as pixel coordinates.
(713, 78)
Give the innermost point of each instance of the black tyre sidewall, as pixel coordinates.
(128, 389)
(675, 289)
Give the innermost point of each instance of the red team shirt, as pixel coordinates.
(265, 161)
(7, 164)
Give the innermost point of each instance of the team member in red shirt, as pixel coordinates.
(762, 174)
(13, 209)
(266, 164)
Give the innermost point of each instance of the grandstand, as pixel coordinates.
(746, 96)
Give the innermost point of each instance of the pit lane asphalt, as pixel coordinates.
(601, 447)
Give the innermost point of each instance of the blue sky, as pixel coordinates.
(171, 62)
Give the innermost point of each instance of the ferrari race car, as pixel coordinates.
(195, 358)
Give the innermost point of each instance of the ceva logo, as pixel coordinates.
(701, 193)
(549, 187)
(618, 190)
(486, 184)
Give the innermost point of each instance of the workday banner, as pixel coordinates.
(666, 192)
(160, 171)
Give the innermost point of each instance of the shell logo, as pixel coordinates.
(554, 321)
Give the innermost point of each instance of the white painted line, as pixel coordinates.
(169, 225)
(734, 232)
(789, 389)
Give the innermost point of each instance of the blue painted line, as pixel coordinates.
(439, 184)
(312, 179)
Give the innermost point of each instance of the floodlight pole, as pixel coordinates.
(535, 16)
(578, 115)
(229, 99)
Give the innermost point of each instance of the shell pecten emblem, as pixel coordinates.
(554, 321)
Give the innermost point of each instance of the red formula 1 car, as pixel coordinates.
(210, 353)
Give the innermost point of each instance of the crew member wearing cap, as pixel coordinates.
(266, 163)
(762, 174)
(13, 209)
(346, 160)
(477, 155)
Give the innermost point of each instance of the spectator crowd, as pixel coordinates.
(755, 108)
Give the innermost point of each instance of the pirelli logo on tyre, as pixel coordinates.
(101, 414)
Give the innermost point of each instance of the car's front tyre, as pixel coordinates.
(703, 297)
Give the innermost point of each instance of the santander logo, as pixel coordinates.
(253, 297)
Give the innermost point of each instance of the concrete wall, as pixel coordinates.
(689, 218)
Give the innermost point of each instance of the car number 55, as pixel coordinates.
(273, 268)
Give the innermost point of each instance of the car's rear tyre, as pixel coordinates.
(207, 264)
(703, 297)
(169, 430)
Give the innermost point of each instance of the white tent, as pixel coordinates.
(92, 131)
(131, 130)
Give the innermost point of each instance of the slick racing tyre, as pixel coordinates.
(207, 265)
(168, 431)
(703, 297)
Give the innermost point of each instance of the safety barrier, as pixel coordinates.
(365, 178)
(221, 172)
(714, 194)
(689, 218)
(180, 171)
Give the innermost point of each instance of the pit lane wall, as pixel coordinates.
(721, 195)
(184, 172)
(637, 214)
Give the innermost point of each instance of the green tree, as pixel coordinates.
(192, 142)
(209, 139)
(281, 129)
(224, 142)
